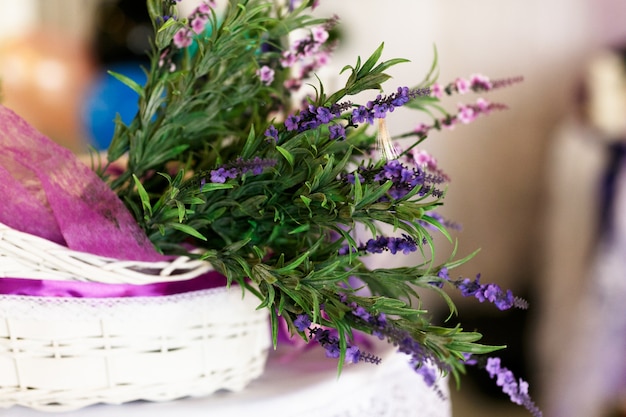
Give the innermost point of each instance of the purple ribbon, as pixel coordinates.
(76, 289)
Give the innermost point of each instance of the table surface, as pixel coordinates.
(302, 386)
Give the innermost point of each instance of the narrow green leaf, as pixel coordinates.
(185, 228)
(286, 154)
(128, 82)
(293, 265)
(305, 227)
(143, 195)
(372, 60)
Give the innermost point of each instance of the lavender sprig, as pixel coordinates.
(476, 83)
(405, 244)
(237, 168)
(404, 179)
(381, 105)
(517, 390)
(331, 344)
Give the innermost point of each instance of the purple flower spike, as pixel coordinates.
(239, 167)
(504, 300)
(517, 390)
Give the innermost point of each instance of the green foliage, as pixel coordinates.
(282, 229)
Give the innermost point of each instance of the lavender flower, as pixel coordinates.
(330, 343)
(313, 117)
(222, 174)
(265, 74)
(272, 133)
(239, 167)
(462, 85)
(381, 105)
(404, 179)
(504, 300)
(353, 354)
(517, 390)
(405, 244)
(336, 131)
(302, 322)
(198, 20)
(476, 83)
(428, 373)
(423, 363)
(311, 52)
(182, 38)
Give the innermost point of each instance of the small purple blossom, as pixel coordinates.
(462, 85)
(265, 74)
(182, 39)
(323, 115)
(336, 131)
(198, 24)
(291, 123)
(309, 53)
(436, 90)
(466, 114)
(480, 82)
(302, 322)
(443, 273)
(319, 34)
(353, 354)
(272, 133)
(221, 174)
(428, 373)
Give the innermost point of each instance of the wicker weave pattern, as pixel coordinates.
(26, 256)
(66, 353)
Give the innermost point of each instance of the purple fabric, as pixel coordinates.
(74, 289)
(47, 192)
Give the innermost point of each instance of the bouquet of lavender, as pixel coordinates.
(223, 164)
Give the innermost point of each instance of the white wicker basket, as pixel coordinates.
(63, 353)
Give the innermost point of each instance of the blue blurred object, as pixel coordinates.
(106, 98)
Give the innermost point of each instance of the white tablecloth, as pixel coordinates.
(307, 386)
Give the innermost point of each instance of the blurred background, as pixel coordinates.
(536, 187)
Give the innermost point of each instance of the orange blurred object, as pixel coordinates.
(43, 78)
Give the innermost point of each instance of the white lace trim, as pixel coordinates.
(83, 309)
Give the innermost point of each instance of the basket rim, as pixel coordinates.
(27, 256)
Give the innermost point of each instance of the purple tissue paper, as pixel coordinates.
(46, 191)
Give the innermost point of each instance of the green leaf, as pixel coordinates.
(185, 228)
(213, 186)
(143, 195)
(371, 61)
(293, 265)
(167, 24)
(303, 228)
(128, 82)
(286, 154)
